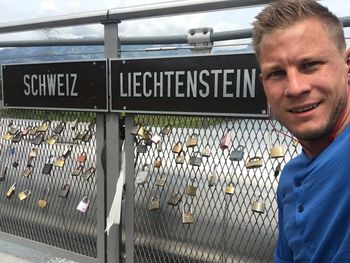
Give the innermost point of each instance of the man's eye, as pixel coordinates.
(275, 74)
(310, 65)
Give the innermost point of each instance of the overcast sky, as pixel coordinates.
(18, 10)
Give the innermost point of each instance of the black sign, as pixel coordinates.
(211, 85)
(62, 85)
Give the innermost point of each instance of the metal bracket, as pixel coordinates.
(200, 40)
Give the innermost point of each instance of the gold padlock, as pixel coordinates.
(166, 130)
(180, 158)
(24, 194)
(160, 181)
(258, 206)
(254, 162)
(11, 191)
(277, 152)
(33, 153)
(187, 216)
(52, 139)
(44, 126)
(42, 202)
(192, 140)
(177, 148)
(27, 171)
(230, 189)
(206, 152)
(191, 189)
(59, 162)
(175, 199)
(7, 136)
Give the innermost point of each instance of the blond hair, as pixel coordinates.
(283, 13)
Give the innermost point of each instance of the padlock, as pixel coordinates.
(191, 189)
(295, 142)
(3, 174)
(157, 162)
(25, 131)
(166, 130)
(160, 180)
(277, 170)
(87, 135)
(154, 203)
(225, 141)
(42, 202)
(180, 158)
(15, 164)
(82, 157)
(78, 136)
(192, 140)
(52, 139)
(258, 206)
(212, 180)
(74, 125)
(78, 170)
(59, 162)
(88, 173)
(38, 139)
(7, 136)
(17, 137)
(33, 153)
(14, 130)
(28, 170)
(177, 147)
(68, 151)
(187, 216)
(24, 194)
(44, 126)
(277, 151)
(60, 127)
(206, 152)
(48, 166)
(148, 139)
(237, 154)
(32, 131)
(160, 146)
(175, 199)
(142, 132)
(196, 159)
(141, 147)
(230, 189)
(142, 175)
(254, 162)
(83, 204)
(156, 138)
(64, 190)
(11, 191)
(134, 130)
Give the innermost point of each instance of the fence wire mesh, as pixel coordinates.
(39, 192)
(201, 209)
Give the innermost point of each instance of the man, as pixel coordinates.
(302, 54)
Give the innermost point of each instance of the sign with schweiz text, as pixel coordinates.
(60, 85)
(211, 85)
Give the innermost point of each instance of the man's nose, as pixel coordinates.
(297, 84)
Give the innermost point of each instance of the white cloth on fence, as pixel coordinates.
(115, 211)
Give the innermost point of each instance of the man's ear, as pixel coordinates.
(347, 53)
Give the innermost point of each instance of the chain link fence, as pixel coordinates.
(48, 178)
(205, 188)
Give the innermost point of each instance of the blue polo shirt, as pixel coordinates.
(313, 200)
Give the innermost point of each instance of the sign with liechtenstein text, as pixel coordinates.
(206, 85)
(74, 85)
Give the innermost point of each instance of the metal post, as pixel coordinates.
(112, 149)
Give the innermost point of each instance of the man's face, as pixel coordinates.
(304, 77)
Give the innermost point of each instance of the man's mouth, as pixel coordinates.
(305, 108)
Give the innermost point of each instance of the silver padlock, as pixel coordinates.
(154, 203)
(142, 176)
(196, 159)
(83, 204)
(237, 154)
(191, 188)
(258, 206)
(187, 215)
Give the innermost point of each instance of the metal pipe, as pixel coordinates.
(128, 13)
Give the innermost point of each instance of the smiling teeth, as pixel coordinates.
(305, 108)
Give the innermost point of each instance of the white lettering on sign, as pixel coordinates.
(216, 83)
(62, 85)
